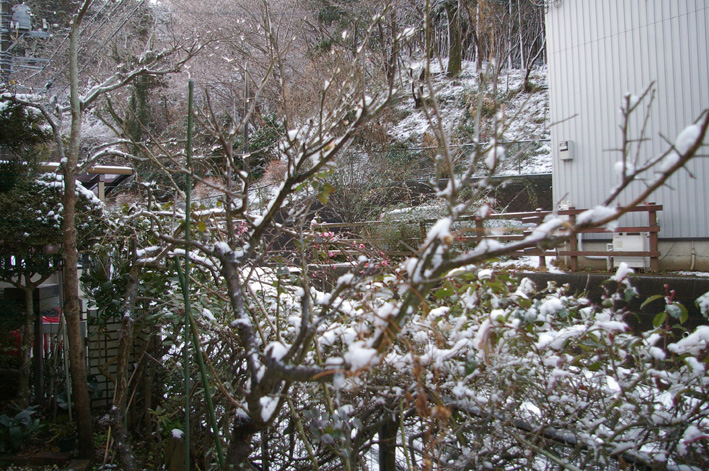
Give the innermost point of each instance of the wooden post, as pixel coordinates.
(479, 229)
(654, 246)
(542, 256)
(573, 242)
(102, 187)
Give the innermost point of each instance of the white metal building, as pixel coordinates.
(601, 50)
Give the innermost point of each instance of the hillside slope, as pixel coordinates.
(525, 116)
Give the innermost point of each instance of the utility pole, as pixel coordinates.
(16, 24)
(5, 42)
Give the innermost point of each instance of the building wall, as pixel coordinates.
(600, 50)
(684, 255)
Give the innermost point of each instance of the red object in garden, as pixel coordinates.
(53, 317)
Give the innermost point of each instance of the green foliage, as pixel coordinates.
(61, 428)
(262, 143)
(11, 319)
(32, 215)
(22, 129)
(167, 418)
(330, 14)
(107, 270)
(394, 235)
(339, 17)
(16, 429)
(401, 157)
(22, 132)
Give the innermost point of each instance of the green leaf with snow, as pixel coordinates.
(702, 303)
(675, 310)
(685, 314)
(659, 319)
(651, 299)
(443, 293)
(630, 294)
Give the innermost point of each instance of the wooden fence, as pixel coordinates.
(473, 229)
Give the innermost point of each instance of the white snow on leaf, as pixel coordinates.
(691, 435)
(177, 433)
(441, 230)
(208, 315)
(657, 353)
(276, 350)
(358, 356)
(696, 366)
(439, 311)
(345, 279)
(693, 344)
(268, 407)
(482, 334)
(551, 306)
(525, 288)
(557, 339)
(611, 326)
(703, 304)
(222, 248)
(622, 272)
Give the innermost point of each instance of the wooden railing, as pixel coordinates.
(477, 231)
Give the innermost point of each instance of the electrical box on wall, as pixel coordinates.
(634, 242)
(566, 150)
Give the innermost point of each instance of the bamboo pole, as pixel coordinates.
(186, 279)
(196, 344)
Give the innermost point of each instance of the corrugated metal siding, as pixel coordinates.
(602, 49)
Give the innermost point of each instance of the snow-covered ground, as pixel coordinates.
(524, 116)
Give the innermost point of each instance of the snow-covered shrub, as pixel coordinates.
(495, 375)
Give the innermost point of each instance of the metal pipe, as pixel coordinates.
(692, 266)
(590, 257)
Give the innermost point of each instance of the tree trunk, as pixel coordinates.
(125, 343)
(125, 450)
(455, 50)
(523, 62)
(38, 347)
(23, 391)
(237, 457)
(120, 396)
(478, 42)
(70, 254)
(393, 56)
(387, 445)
